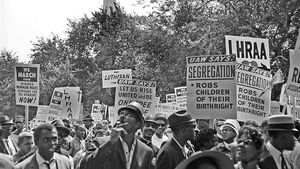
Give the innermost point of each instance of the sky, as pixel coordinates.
(23, 21)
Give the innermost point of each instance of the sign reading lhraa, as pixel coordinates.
(254, 51)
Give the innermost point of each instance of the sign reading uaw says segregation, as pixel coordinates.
(27, 84)
(135, 90)
(211, 86)
(251, 83)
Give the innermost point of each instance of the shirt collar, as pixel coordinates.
(274, 152)
(40, 160)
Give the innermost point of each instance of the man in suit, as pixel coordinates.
(175, 151)
(281, 131)
(123, 150)
(45, 138)
(6, 144)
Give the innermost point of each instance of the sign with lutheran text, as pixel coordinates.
(211, 92)
(110, 77)
(135, 90)
(251, 82)
(27, 77)
(250, 51)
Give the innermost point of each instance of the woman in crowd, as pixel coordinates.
(250, 144)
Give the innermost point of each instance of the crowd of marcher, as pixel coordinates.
(151, 142)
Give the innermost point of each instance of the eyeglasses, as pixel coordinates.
(150, 125)
(162, 125)
(49, 139)
(245, 141)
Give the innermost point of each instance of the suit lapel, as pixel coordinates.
(121, 153)
(135, 155)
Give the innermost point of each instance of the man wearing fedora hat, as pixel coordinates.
(6, 144)
(281, 134)
(123, 149)
(174, 151)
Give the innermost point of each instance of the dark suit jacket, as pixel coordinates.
(2, 147)
(153, 147)
(266, 160)
(31, 162)
(169, 156)
(111, 156)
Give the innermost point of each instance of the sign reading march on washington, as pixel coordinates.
(211, 92)
(251, 82)
(251, 51)
(135, 90)
(27, 84)
(110, 77)
(293, 82)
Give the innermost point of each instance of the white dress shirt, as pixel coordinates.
(41, 161)
(128, 152)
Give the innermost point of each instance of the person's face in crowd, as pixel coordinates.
(189, 131)
(7, 129)
(19, 124)
(62, 137)
(213, 141)
(161, 127)
(169, 133)
(89, 143)
(264, 135)
(26, 145)
(80, 133)
(129, 118)
(218, 124)
(149, 129)
(246, 149)
(202, 124)
(47, 143)
(287, 138)
(88, 123)
(228, 133)
(105, 123)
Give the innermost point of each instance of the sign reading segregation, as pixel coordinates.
(27, 84)
(251, 82)
(211, 86)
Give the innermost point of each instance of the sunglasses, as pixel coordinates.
(245, 141)
(150, 125)
(162, 125)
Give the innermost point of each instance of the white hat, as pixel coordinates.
(234, 124)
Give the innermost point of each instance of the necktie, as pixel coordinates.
(283, 163)
(10, 151)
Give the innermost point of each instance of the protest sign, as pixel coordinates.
(283, 99)
(211, 87)
(181, 98)
(98, 112)
(135, 90)
(55, 105)
(110, 77)
(293, 81)
(71, 102)
(274, 108)
(251, 82)
(27, 77)
(171, 98)
(42, 115)
(112, 115)
(297, 102)
(167, 108)
(250, 51)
